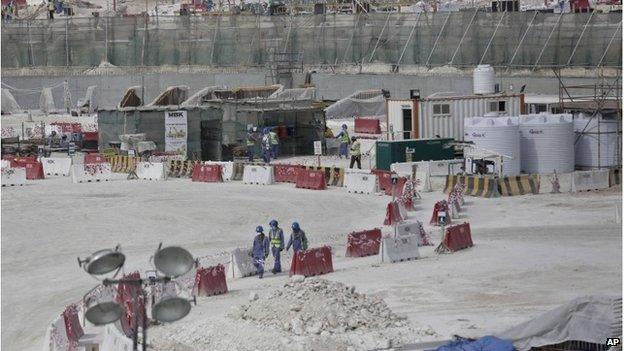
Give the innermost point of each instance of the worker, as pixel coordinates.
(343, 136)
(298, 239)
(266, 146)
(250, 141)
(276, 238)
(274, 143)
(51, 8)
(260, 250)
(355, 152)
(64, 144)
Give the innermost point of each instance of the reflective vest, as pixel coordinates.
(276, 238)
(355, 149)
(250, 140)
(344, 138)
(273, 137)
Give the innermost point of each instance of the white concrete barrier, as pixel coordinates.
(13, 176)
(404, 247)
(227, 169)
(114, 340)
(91, 173)
(262, 175)
(151, 171)
(546, 182)
(57, 166)
(56, 337)
(410, 228)
(362, 183)
(241, 264)
(590, 180)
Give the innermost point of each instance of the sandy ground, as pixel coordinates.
(532, 253)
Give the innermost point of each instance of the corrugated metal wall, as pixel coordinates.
(452, 125)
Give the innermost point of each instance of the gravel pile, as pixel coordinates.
(316, 306)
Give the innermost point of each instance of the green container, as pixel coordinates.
(389, 152)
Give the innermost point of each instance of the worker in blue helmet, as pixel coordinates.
(343, 136)
(276, 238)
(260, 250)
(298, 239)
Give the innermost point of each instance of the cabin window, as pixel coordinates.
(498, 106)
(441, 109)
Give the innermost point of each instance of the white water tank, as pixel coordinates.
(483, 80)
(546, 143)
(500, 135)
(596, 144)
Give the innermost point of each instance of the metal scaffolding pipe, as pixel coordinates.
(464, 35)
(435, 44)
(492, 37)
(580, 37)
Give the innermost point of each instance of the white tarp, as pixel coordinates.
(46, 101)
(591, 319)
(361, 104)
(9, 105)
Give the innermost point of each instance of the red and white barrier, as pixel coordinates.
(456, 237)
(151, 171)
(210, 281)
(439, 207)
(401, 248)
(361, 182)
(34, 169)
(125, 295)
(56, 166)
(227, 169)
(261, 175)
(286, 173)
(207, 173)
(363, 243)
(312, 262)
(396, 189)
(73, 329)
(241, 264)
(95, 172)
(383, 179)
(393, 214)
(13, 176)
(309, 179)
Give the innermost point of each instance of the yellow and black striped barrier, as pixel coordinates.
(481, 186)
(518, 185)
(334, 176)
(451, 181)
(182, 169)
(123, 164)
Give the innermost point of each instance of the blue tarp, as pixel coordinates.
(486, 343)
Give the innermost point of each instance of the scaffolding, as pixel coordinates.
(507, 40)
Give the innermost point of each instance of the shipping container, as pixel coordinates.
(412, 150)
(442, 114)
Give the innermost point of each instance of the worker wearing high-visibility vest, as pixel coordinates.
(250, 141)
(274, 139)
(343, 136)
(276, 238)
(356, 153)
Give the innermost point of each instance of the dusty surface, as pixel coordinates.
(531, 253)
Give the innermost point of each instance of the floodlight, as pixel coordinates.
(100, 313)
(170, 309)
(103, 261)
(173, 261)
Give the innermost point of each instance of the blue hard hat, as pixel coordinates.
(344, 126)
(273, 223)
(259, 229)
(295, 226)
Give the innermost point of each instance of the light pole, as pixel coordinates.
(171, 262)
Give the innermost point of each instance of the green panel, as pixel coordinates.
(389, 152)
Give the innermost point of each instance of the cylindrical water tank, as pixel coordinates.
(546, 143)
(483, 79)
(596, 143)
(500, 135)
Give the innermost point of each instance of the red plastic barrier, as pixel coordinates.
(34, 169)
(207, 173)
(15, 159)
(67, 127)
(393, 215)
(364, 243)
(367, 126)
(312, 262)
(286, 173)
(310, 179)
(457, 237)
(90, 136)
(73, 329)
(210, 281)
(398, 187)
(125, 298)
(94, 158)
(383, 179)
(440, 206)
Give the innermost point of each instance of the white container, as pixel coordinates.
(500, 135)
(483, 79)
(546, 143)
(596, 144)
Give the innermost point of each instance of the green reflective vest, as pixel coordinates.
(344, 138)
(250, 140)
(273, 137)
